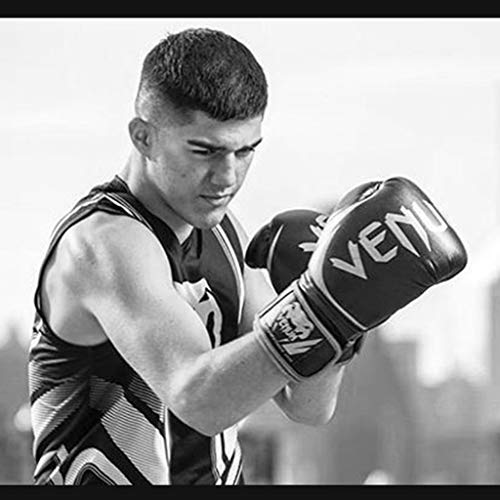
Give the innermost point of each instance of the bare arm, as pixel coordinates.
(312, 401)
(119, 272)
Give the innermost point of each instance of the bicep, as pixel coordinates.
(136, 303)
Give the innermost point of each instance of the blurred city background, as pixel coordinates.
(351, 100)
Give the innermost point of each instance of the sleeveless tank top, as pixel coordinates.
(95, 420)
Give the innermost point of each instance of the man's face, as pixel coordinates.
(199, 166)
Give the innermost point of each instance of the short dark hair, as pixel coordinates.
(205, 70)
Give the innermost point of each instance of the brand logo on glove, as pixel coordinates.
(420, 216)
(310, 246)
(293, 322)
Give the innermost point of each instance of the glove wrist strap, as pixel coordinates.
(294, 336)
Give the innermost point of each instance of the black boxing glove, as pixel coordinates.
(284, 246)
(383, 246)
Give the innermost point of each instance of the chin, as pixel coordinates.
(207, 221)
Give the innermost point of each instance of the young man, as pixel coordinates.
(138, 370)
(150, 344)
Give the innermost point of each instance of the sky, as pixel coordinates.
(350, 100)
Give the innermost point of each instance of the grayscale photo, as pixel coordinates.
(250, 251)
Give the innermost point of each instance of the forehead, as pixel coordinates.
(229, 133)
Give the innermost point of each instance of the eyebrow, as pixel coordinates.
(208, 145)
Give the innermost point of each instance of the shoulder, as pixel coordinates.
(101, 233)
(103, 246)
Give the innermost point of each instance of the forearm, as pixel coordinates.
(314, 400)
(223, 385)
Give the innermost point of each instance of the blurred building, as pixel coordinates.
(453, 439)
(492, 400)
(16, 463)
(494, 353)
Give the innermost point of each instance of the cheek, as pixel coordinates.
(186, 179)
(175, 169)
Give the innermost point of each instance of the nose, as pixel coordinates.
(224, 171)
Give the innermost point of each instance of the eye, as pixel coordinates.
(244, 152)
(203, 152)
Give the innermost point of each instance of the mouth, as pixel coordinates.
(217, 200)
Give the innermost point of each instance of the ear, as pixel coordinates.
(141, 133)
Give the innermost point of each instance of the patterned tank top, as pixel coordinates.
(95, 420)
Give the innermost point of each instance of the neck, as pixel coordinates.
(135, 174)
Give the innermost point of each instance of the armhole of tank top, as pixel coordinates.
(53, 241)
(42, 324)
(129, 211)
